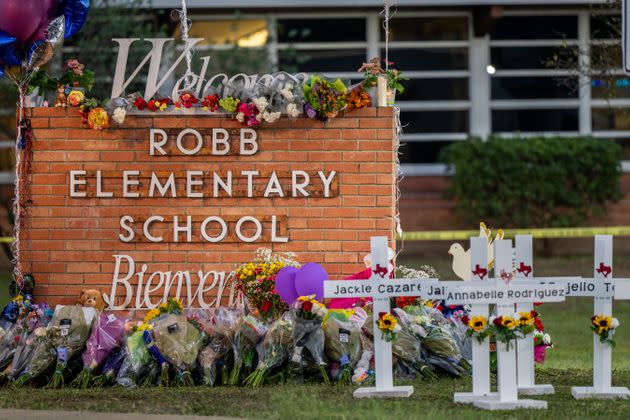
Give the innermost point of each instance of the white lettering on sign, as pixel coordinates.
(361, 288)
(194, 82)
(144, 292)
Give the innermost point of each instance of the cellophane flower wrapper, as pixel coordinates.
(308, 334)
(342, 341)
(179, 342)
(439, 348)
(249, 332)
(69, 330)
(408, 351)
(110, 369)
(214, 356)
(108, 334)
(41, 362)
(138, 366)
(8, 345)
(273, 350)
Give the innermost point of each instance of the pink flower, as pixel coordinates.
(74, 66)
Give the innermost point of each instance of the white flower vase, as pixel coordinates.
(391, 97)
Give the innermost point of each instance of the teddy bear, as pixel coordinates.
(91, 298)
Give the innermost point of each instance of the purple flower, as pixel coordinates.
(309, 111)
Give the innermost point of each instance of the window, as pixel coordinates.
(321, 30)
(535, 120)
(433, 53)
(533, 88)
(535, 27)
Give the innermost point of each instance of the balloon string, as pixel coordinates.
(185, 25)
(17, 195)
(388, 16)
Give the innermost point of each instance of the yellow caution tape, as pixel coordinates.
(458, 235)
(6, 239)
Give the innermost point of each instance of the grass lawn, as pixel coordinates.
(568, 364)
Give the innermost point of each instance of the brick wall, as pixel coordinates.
(68, 243)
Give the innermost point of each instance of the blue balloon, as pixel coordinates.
(1, 70)
(75, 12)
(8, 50)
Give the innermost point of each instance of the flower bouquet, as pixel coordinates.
(324, 99)
(175, 340)
(343, 341)
(257, 281)
(108, 334)
(439, 347)
(138, 366)
(542, 341)
(249, 331)
(407, 347)
(8, 344)
(308, 333)
(69, 330)
(219, 343)
(42, 359)
(38, 316)
(604, 326)
(110, 369)
(273, 350)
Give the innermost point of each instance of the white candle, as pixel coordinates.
(381, 91)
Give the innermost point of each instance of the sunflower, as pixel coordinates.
(478, 323)
(525, 318)
(602, 323)
(387, 322)
(508, 322)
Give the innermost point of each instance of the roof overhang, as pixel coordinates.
(320, 4)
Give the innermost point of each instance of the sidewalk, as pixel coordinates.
(11, 414)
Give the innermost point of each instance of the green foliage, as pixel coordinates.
(537, 182)
(42, 80)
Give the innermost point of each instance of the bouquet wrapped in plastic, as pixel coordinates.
(108, 334)
(8, 344)
(138, 366)
(274, 350)
(42, 359)
(177, 341)
(308, 333)
(213, 357)
(69, 330)
(110, 369)
(439, 348)
(343, 340)
(249, 331)
(38, 316)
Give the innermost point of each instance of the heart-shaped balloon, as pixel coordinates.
(21, 18)
(285, 285)
(309, 280)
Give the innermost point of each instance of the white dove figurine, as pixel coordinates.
(461, 257)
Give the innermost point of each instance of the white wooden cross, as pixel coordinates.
(524, 261)
(505, 294)
(380, 288)
(604, 291)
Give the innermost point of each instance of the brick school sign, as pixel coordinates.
(167, 205)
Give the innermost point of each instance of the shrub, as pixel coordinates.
(535, 182)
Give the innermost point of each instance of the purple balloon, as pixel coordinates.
(285, 285)
(50, 11)
(309, 280)
(21, 18)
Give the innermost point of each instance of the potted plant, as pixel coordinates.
(372, 71)
(76, 77)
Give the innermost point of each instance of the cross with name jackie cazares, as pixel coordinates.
(381, 288)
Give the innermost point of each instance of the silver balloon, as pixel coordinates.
(44, 51)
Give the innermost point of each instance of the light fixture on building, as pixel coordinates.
(257, 39)
(490, 69)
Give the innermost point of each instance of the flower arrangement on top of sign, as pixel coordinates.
(318, 97)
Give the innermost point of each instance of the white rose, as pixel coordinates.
(240, 117)
(119, 115)
(271, 117)
(547, 339)
(287, 94)
(261, 103)
(615, 323)
(293, 111)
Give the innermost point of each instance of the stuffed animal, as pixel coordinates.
(61, 101)
(91, 298)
